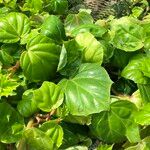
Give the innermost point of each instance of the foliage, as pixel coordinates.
(68, 82)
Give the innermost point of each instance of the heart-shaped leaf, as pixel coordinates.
(114, 125)
(40, 60)
(126, 34)
(13, 27)
(89, 91)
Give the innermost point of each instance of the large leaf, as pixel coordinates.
(27, 106)
(92, 49)
(54, 131)
(40, 60)
(75, 20)
(126, 34)
(88, 92)
(37, 140)
(13, 27)
(48, 97)
(7, 86)
(114, 125)
(11, 124)
(138, 69)
(53, 28)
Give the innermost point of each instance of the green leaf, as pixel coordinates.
(48, 97)
(40, 60)
(7, 86)
(138, 69)
(77, 148)
(27, 106)
(96, 30)
(5, 58)
(120, 58)
(105, 147)
(37, 140)
(53, 28)
(70, 58)
(82, 120)
(11, 124)
(114, 125)
(56, 6)
(13, 27)
(88, 92)
(142, 117)
(92, 49)
(75, 20)
(54, 131)
(142, 145)
(127, 34)
(74, 134)
(32, 5)
(144, 92)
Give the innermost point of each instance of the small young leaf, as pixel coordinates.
(48, 97)
(27, 106)
(54, 131)
(37, 140)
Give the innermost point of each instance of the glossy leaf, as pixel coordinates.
(114, 125)
(40, 60)
(54, 131)
(14, 27)
(94, 29)
(11, 124)
(53, 28)
(48, 97)
(75, 20)
(70, 58)
(37, 140)
(56, 6)
(88, 92)
(27, 106)
(92, 49)
(142, 116)
(138, 69)
(144, 92)
(126, 34)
